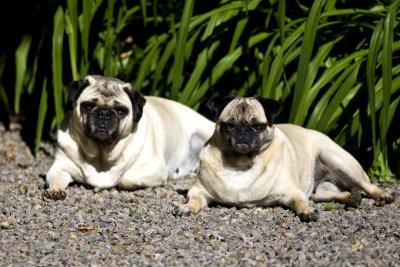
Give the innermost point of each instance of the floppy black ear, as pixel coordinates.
(138, 101)
(271, 108)
(217, 104)
(74, 90)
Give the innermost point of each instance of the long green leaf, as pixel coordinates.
(375, 45)
(89, 9)
(222, 66)
(151, 57)
(3, 94)
(21, 59)
(201, 64)
(71, 28)
(279, 61)
(316, 121)
(311, 92)
(41, 116)
(57, 67)
(387, 81)
(341, 99)
(281, 17)
(179, 61)
(297, 113)
(109, 38)
(166, 55)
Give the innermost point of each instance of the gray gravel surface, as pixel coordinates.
(138, 228)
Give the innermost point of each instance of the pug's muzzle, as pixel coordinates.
(243, 139)
(102, 124)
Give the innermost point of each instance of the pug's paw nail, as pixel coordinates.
(178, 212)
(54, 194)
(181, 211)
(309, 216)
(384, 199)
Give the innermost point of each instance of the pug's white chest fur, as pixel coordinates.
(247, 187)
(90, 170)
(105, 179)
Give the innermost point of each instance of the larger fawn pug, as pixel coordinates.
(250, 162)
(112, 135)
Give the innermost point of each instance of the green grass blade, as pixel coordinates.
(226, 7)
(150, 59)
(179, 60)
(315, 121)
(195, 77)
(41, 116)
(241, 24)
(277, 65)
(109, 38)
(387, 65)
(387, 58)
(281, 17)
(166, 55)
(353, 125)
(3, 94)
(222, 66)
(375, 45)
(89, 9)
(265, 66)
(341, 99)
(21, 59)
(57, 66)
(144, 12)
(71, 28)
(311, 91)
(297, 113)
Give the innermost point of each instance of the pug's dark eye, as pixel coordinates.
(88, 106)
(260, 126)
(121, 111)
(228, 125)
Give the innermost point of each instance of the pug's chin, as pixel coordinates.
(102, 136)
(243, 149)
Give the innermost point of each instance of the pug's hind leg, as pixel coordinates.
(348, 173)
(326, 192)
(197, 201)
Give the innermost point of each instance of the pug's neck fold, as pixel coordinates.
(239, 161)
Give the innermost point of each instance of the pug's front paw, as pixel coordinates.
(185, 210)
(54, 194)
(385, 198)
(309, 215)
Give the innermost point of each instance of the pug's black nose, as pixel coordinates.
(104, 114)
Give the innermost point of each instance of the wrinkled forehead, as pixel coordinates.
(244, 109)
(105, 91)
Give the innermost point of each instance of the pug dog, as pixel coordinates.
(250, 162)
(114, 136)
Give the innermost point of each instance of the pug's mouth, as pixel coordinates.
(243, 146)
(101, 133)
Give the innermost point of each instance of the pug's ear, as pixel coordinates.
(137, 100)
(74, 90)
(217, 104)
(272, 108)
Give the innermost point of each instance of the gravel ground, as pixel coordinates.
(138, 228)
